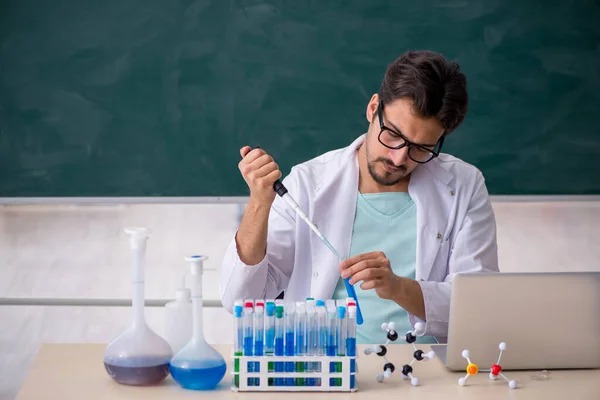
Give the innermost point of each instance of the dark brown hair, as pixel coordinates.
(436, 86)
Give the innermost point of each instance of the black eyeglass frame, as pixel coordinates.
(434, 153)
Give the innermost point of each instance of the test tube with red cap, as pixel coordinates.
(248, 334)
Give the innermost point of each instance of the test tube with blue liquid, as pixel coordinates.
(238, 338)
(270, 327)
(322, 335)
(341, 340)
(270, 335)
(279, 342)
(331, 348)
(312, 339)
(248, 337)
(290, 345)
(351, 342)
(258, 337)
(301, 338)
(349, 288)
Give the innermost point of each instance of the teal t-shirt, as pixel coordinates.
(384, 222)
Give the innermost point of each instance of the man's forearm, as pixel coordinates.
(410, 297)
(251, 238)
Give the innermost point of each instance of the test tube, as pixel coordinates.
(322, 328)
(301, 339)
(270, 335)
(248, 338)
(238, 339)
(351, 341)
(259, 338)
(331, 348)
(270, 329)
(279, 342)
(321, 336)
(289, 340)
(312, 340)
(331, 339)
(341, 340)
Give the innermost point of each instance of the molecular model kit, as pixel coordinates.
(392, 336)
(495, 370)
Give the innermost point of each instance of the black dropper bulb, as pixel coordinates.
(279, 188)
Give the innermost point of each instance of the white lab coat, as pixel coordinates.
(456, 233)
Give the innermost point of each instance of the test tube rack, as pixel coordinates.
(266, 380)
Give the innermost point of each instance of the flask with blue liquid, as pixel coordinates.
(198, 366)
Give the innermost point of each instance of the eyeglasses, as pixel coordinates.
(395, 140)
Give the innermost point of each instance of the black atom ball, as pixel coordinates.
(418, 355)
(389, 366)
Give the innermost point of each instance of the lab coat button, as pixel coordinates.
(452, 193)
(315, 274)
(439, 235)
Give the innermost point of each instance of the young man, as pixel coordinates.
(406, 217)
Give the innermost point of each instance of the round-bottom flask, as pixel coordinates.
(138, 356)
(198, 366)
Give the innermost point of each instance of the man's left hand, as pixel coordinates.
(375, 271)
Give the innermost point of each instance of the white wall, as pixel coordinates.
(81, 251)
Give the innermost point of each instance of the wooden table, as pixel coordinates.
(76, 371)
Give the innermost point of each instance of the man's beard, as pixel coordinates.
(385, 180)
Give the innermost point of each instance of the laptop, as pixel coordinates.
(547, 320)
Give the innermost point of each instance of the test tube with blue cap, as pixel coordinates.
(341, 340)
(270, 327)
(238, 338)
(322, 333)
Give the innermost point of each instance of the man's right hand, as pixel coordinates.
(260, 173)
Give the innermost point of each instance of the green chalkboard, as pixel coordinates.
(155, 97)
